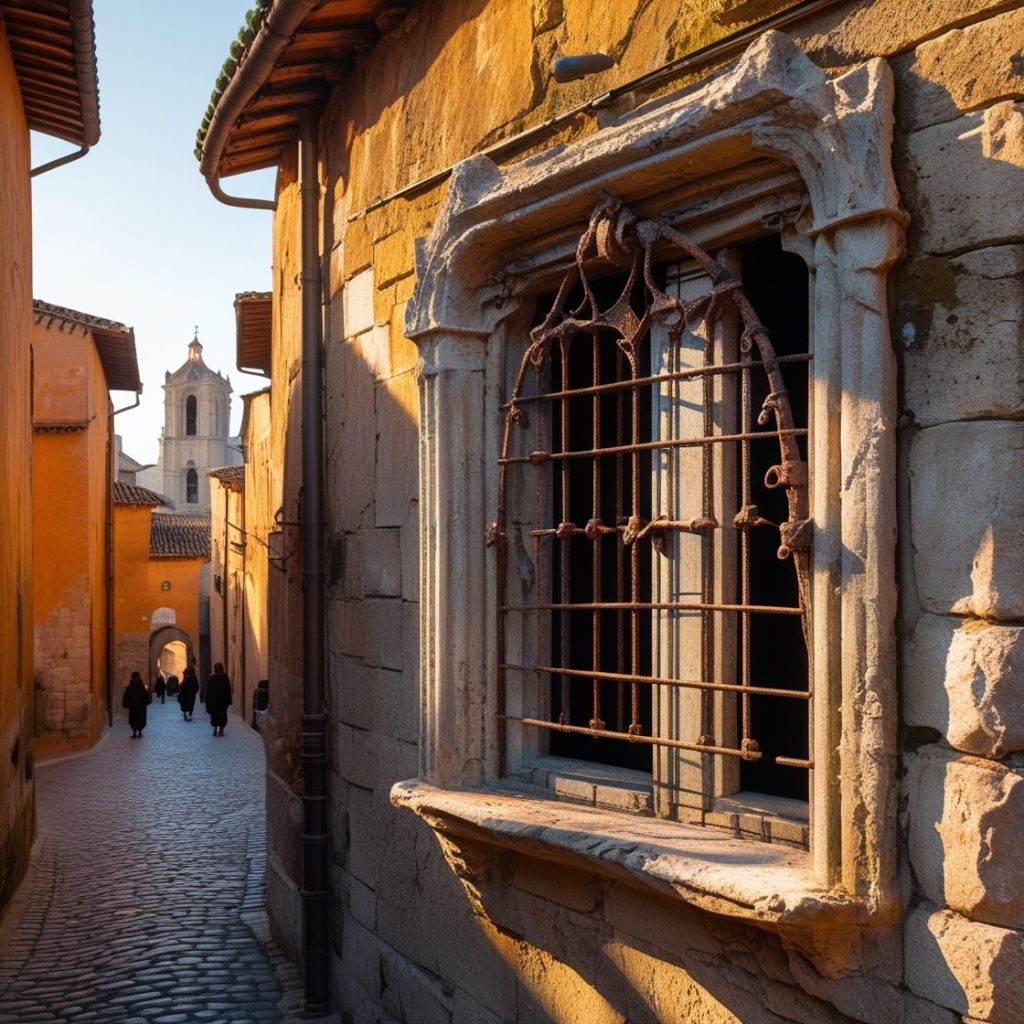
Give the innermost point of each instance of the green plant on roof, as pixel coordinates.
(236, 54)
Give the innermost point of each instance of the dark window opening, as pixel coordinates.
(776, 283)
(586, 573)
(192, 487)
(191, 416)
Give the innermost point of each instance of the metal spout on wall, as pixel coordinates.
(315, 885)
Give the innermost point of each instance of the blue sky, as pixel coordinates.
(130, 232)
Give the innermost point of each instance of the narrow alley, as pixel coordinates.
(145, 900)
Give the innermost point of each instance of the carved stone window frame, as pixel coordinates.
(770, 128)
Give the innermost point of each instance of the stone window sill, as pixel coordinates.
(766, 884)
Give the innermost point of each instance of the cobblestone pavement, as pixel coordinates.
(145, 899)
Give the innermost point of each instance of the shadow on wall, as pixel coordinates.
(585, 948)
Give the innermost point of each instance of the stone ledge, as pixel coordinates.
(766, 884)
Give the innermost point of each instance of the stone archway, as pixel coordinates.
(159, 639)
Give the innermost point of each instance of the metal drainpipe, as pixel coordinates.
(315, 884)
(225, 541)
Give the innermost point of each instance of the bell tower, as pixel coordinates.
(197, 407)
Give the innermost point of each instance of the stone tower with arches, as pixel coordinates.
(197, 407)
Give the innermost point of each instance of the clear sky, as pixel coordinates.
(131, 232)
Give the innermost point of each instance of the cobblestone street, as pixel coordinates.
(145, 900)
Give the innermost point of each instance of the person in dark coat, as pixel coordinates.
(218, 699)
(136, 699)
(160, 686)
(187, 693)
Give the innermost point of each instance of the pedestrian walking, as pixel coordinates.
(187, 692)
(172, 685)
(161, 687)
(218, 699)
(136, 699)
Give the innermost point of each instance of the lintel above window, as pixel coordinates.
(770, 145)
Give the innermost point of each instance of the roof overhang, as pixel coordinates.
(53, 46)
(115, 343)
(253, 332)
(299, 52)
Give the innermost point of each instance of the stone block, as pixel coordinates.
(346, 630)
(382, 570)
(352, 554)
(736, 12)
(409, 543)
(944, 78)
(363, 862)
(965, 678)
(382, 624)
(357, 300)
(466, 1010)
(561, 886)
(967, 518)
(404, 354)
(393, 258)
(355, 755)
(397, 469)
(363, 903)
(882, 28)
(354, 692)
(921, 1011)
(396, 704)
(410, 993)
(960, 321)
(374, 349)
(350, 441)
(970, 968)
(964, 835)
(964, 179)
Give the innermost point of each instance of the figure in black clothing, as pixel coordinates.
(187, 693)
(136, 699)
(218, 699)
(161, 687)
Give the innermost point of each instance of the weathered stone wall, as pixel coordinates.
(17, 788)
(517, 941)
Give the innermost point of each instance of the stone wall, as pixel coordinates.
(17, 788)
(424, 931)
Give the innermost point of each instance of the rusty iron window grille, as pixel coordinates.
(627, 502)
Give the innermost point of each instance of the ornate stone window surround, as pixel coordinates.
(771, 138)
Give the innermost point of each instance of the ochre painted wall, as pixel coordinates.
(17, 789)
(138, 593)
(71, 483)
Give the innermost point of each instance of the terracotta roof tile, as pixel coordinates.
(135, 494)
(178, 535)
(228, 473)
(115, 342)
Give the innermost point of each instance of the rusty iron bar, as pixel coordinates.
(660, 378)
(650, 446)
(637, 737)
(689, 684)
(651, 606)
(615, 236)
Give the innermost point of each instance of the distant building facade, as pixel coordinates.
(161, 565)
(197, 410)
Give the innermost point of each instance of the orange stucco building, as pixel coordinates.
(78, 359)
(47, 84)
(161, 566)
